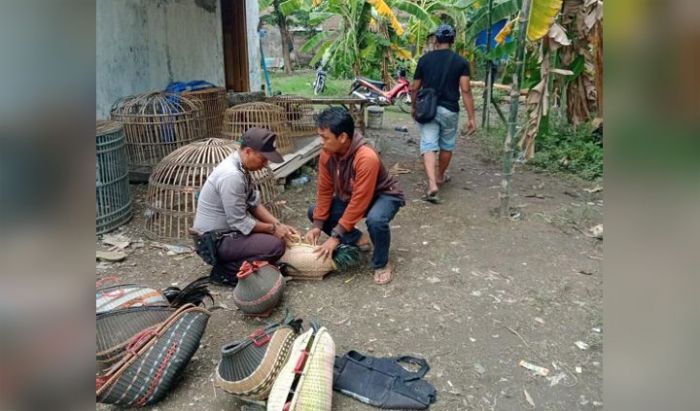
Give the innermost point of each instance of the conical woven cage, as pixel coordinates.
(213, 105)
(240, 118)
(156, 124)
(111, 178)
(299, 113)
(174, 185)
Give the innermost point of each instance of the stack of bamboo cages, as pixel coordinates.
(214, 105)
(240, 118)
(299, 113)
(156, 124)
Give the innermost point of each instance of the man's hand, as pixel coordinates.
(285, 232)
(326, 249)
(312, 236)
(470, 126)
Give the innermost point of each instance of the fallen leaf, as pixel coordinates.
(597, 231)
(111, 256)
(534, 368)
(528, 398)
(593, 190)
(117, 241)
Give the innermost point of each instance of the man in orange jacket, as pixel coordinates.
(352, 184)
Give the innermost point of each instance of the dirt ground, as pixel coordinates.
(473, 294)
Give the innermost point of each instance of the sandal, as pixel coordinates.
(432, 198)
(384, 275)
(445, 179)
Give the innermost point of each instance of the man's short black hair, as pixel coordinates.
(337, 120)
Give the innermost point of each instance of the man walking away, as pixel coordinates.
(440, 134)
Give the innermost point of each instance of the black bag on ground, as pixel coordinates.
(427, 98)
(383, 382)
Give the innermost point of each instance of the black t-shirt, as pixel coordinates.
(430, 70)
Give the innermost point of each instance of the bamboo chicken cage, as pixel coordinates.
(299, 113)
(111, 179)
(156, 124)
(240, 118)
(174, 186)
(214, 105)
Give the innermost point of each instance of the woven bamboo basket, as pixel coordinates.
(174, 186)
(299, 113)
(314, 365)
(249, 367)
(214, 105)
(154, 360)
(120, 296)
(240, 118)
(156, 124)
(303, 263)
(115, 328)
(111, 177)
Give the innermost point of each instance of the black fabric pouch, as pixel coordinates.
(208, 245)
(426, 105)
(384, 382)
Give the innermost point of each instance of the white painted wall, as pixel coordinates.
(145, 44)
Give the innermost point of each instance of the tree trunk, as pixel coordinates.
(387, 77)
(513, 116)
(284, 35)
(598, 45)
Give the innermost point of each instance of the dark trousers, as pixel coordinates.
(381, 212)
(236, 248)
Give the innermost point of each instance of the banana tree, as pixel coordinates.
(584, 56)
(370, 39)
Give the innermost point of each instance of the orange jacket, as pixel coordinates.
(357, 178)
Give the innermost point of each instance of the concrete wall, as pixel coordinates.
(145, 44)
(254, 69)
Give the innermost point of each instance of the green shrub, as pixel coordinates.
(574, 150)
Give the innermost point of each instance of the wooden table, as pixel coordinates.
(356, 107)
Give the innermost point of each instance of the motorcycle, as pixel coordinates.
(373, 90)
(320, 81)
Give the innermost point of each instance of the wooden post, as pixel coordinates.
(513, 117)
(485, 120)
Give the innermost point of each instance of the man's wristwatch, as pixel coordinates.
(274, 227)
(336, 235)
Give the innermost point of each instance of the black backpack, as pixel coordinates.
(427, 98)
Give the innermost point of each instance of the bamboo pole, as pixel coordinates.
(513, 116)
(489, 76)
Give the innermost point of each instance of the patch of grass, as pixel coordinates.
(572, 150)
(491, 143)
(300, 83)
(562, 148)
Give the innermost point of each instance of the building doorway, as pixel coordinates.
(233, 17)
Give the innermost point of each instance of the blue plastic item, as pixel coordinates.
(495, 29)
(179, 86)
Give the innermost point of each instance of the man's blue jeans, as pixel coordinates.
(381, 212)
